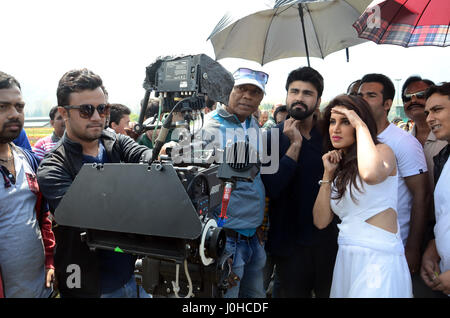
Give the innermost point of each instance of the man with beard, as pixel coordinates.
(26, 238)
(303, 255)
(82, 102)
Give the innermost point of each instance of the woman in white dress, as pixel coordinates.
(359, 185)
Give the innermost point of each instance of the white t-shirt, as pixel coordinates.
(442, 211)
(431, 148)
(410, 161)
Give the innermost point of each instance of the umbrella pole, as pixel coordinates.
(300, 12)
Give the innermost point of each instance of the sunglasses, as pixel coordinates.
(249, 73)
(87, 110)
(419, 95)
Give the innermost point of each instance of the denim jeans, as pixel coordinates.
(128, 290)
(249, 259)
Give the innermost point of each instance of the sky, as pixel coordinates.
(41, 40)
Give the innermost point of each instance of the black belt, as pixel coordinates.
(235, 235)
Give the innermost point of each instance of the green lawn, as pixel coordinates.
(34, 134)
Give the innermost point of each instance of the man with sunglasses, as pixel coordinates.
(244, 214)
(82, 102)
(413, 97)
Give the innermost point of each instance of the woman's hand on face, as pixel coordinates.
(351, 115)
(331, 160)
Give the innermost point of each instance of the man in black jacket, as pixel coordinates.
(82, 101)
(304, 256)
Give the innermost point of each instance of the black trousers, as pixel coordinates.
(307, 272)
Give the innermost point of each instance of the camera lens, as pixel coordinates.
(215, 242)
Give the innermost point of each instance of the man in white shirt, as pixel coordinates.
(413, 189)
(413, 97)
(435, 269)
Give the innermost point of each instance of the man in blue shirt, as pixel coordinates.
(245, 212)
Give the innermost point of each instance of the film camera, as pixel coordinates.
(158, 210)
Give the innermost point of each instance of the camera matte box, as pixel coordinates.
(130, 198)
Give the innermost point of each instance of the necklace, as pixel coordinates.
(9, 158)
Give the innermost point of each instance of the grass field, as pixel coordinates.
(34, 134)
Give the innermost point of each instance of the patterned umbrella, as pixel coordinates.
(406, 23)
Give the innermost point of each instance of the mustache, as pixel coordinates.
(13, 122)
(416, 104)
(299, 103)
(94, 126)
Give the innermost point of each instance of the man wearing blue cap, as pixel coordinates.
(245, 212)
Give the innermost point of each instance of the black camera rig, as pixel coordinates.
(159, 210)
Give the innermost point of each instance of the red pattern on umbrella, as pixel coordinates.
(406, 23)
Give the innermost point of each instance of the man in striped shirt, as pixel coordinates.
(45, 144)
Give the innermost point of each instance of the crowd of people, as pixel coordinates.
(357, 206)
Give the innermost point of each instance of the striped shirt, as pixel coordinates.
(44, 145)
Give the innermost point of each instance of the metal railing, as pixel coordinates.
(36, 122)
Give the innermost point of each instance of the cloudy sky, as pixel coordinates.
(41, 40)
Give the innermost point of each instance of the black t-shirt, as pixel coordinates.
(292, 192)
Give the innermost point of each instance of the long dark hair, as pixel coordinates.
(347, 170)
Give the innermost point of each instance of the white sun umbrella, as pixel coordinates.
(291, 29)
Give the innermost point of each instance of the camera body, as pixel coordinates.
(158, 212)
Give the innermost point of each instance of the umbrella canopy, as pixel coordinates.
(299, 28)
(406, 23)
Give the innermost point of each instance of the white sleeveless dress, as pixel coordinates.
(371, 262)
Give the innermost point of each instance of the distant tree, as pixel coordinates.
(266, 106)
(40, 108)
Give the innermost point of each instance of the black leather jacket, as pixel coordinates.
(55, 175)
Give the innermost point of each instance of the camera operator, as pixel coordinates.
(244, 249)
(82, 101)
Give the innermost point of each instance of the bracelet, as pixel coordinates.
(323, 181)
